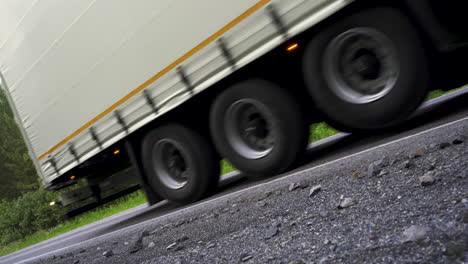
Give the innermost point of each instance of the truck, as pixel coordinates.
(169, 88)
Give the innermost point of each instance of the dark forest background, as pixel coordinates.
(17, 173)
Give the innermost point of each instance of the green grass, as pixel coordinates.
(437, 93)
(115, 207)
(317, 132)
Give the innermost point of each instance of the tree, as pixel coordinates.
(17, 173)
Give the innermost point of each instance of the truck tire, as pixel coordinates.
(258, 127)
(367, 71)
(180, 164)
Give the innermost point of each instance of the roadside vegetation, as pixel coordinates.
(29, 219)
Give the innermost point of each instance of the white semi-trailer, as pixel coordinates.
(173, 86)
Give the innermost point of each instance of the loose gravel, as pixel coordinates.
(406, 205)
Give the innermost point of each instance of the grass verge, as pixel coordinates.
(115, 207)
(317, 132)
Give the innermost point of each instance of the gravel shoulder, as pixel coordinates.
(405, 202)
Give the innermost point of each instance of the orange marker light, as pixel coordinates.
(292, 47)
(72, 177)
(117, 152)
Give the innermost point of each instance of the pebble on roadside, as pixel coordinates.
(459, 139)
(415, 233)
(383, 173)
(314, 190)
(107, 254)
(172, 246)
(443, 145)
(182, 239)
(373, 169)
(296, 185)
(271, 231)
(357, 175)
(427, 179)
(347, 202)
(407, 164)
(245, 257)
(419, 152)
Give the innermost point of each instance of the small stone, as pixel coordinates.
(323, 213)
(126, 243)
(383, 173)
(295, 185)
(284, 243)
(427, 179)
(357, 175)
(212, 215)
(151, 245)
(314, 190)
(82, 251)
(76, 261)
(261, 204)
(172, 246)
(135, 247)
(245, 257)
(382, 163)
(464, 201)
(144, 234)
(443, 145)
(107, 254)
(182, 239)
(459, 139)
(211, 245)
(263, 196)
(333, 247)
(454, 249)
(326, 242)
(415, 233)
(407, 164)
(432, 166)
(277, 192)
(372, 236)
(373, 169)
(271, 232)
(420, 152)
(98, 248)
(347, 202)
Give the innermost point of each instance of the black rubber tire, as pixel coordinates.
(206, 165)
(292, 129)
(410, 88)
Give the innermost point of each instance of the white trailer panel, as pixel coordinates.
(69, 65)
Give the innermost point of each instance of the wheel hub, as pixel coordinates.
(366, 65)
(361, 65)
(171, 164)
(249, 128)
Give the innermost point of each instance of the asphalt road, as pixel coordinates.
(448, 111)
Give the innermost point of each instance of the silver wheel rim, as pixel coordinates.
(249, 128)
(361, 65)
(172, 164)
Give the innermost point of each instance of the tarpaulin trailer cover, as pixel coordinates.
(73, 70)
